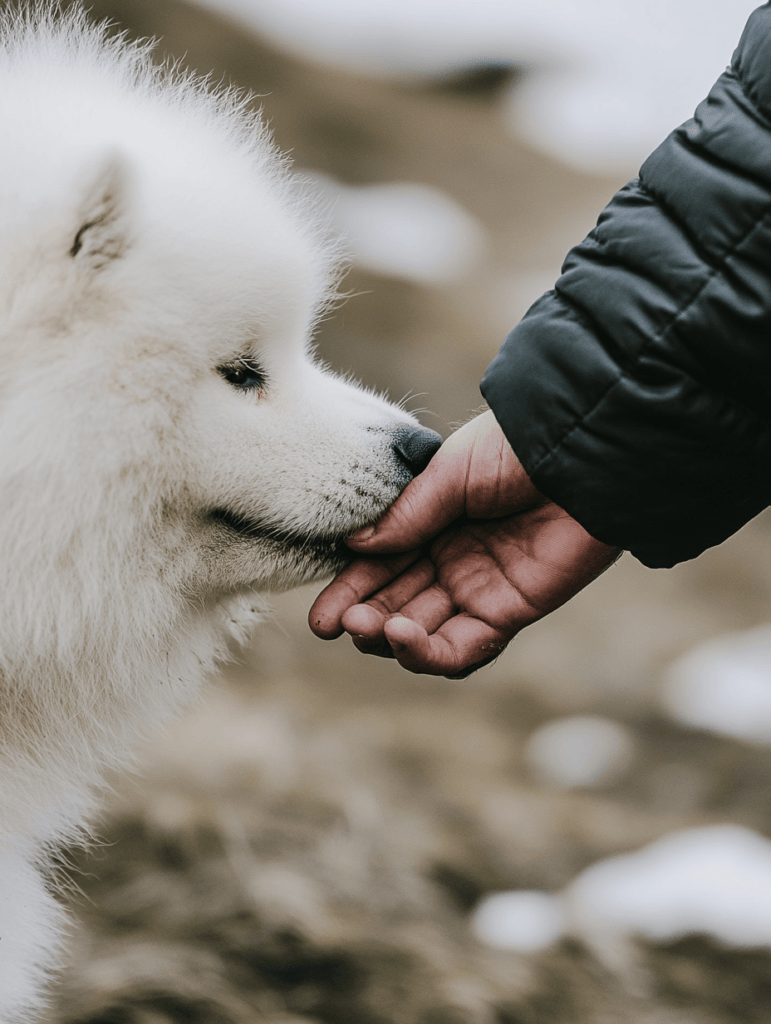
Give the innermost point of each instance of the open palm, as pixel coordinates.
(480, 554)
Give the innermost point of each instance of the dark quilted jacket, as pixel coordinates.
(637, 393)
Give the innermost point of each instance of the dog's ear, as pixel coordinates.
(102, 235)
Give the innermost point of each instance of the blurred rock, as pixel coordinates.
(580, 751)
(724, 685)
(525, 921)
(712, 881)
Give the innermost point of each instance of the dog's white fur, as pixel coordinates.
(150, 235)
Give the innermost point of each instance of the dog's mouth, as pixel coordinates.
(328, 547)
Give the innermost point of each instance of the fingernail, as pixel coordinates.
(363, 534)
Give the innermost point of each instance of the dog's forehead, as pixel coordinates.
(241, 274)
(236, 198)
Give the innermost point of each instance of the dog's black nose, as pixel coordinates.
(414, 446)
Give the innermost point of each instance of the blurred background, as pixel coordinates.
(576, 834)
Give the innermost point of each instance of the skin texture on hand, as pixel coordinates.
(469, 554)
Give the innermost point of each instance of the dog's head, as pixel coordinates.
(161, 275)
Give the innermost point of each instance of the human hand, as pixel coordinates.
(469, 554)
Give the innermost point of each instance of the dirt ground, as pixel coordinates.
(308, 845)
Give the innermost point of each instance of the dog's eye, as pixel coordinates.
(244, 374)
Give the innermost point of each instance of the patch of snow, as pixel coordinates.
(580, 751)
(401, 229)
(524, 921)
(724, 686)
(714, 881)
(607, 79)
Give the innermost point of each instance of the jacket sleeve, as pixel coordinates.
(637, 393)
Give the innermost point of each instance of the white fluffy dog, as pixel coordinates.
(168, 446)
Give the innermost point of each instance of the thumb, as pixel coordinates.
(430, 502)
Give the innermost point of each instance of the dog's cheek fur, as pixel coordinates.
(313, 457)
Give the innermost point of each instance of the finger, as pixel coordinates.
(415, 579)
(430, 608)
(459, 646)
(379, 650)
(365, 622)
(356, 582)
(365, 625)
(429, 503)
